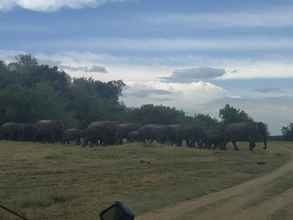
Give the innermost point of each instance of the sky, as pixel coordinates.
(193, 55)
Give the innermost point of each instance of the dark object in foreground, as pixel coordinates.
(118, 211)
(12, 212)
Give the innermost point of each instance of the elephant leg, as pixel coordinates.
(214, 147)
(224, 146)
(251, 146)
(200, 144)
(190, 143)
(265, 145)
(92, 142)
(235, 145)
(85, 142)
(209, 146)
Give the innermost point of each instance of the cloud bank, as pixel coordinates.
(194, 74)
(52, 5)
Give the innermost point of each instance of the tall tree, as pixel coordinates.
(229, 114)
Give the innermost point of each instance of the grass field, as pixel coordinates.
(56, 182)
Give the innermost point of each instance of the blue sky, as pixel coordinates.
(195, 55)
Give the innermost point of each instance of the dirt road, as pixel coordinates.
(247, 201)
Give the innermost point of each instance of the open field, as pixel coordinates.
(69, 182)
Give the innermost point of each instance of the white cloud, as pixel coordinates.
(176, 94)
(85, 69)
(274, 17)
(251, 69)
(52, 5)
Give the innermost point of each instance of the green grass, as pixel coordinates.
(285, 213)
(281, 185)
(69, 182)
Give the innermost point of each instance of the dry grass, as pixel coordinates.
(69, 182)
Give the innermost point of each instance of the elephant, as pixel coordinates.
(72, 134)
(246, 131)
(29, 131)
(18, 131)
(214, 138)
(197, 137)
(50, 131)
(133, 136)
(173, 134)
(153, 132)
(100, 132)
(12, 131)
(193, 136)
(122, 131)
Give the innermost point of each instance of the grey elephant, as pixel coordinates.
(50, 131)
(100, 132)
(153, 132)
(122, 131)
(133, 136)
(214, 137)
(193, 135)
(246, 131)
(172, 133)
(72, 135)
(12, 131)
(29, 131)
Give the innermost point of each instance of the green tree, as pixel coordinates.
(156, 114)
(229, 114)
(205, 121)
(287, 131)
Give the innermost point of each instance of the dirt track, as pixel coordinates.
(246, 201)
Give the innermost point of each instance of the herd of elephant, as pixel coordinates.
(112, 132)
